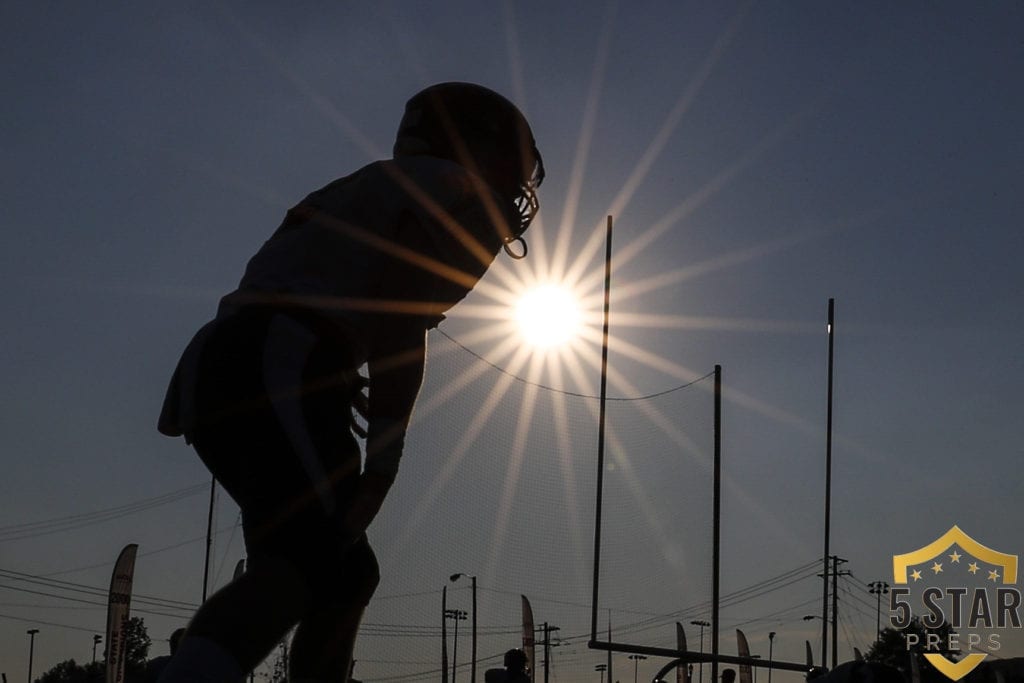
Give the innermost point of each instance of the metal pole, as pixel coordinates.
(835, 611)
(717, 515)
(547, 650)
(455, 646)
(836, 561)
(878, 614)
(702, 624)
(31, 649)
(472, 672)
(600, 429)
(609, 649)
(771, 643)
(828, 487)
(878, 588)
(636, 665)
(95, 641)
(444, 634)
(453, 578)
(209, 537)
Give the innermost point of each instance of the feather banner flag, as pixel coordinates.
(683, 669)
(118, 613)
(746, 674)
(529, 644)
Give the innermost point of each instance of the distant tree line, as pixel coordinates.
(137, 644)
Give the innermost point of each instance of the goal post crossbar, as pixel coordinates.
(686, 656)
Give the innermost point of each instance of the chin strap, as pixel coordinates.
(516, 255)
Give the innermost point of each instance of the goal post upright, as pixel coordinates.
(676, 656)
(716, 552)
(601, 426)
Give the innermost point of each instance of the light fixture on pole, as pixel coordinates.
(878, 589)
(700, 669)
(96, 640)
(454, 578)
(636, 665)
(771, 643)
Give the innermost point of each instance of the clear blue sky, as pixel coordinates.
(759, 158)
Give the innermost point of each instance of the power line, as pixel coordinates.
(25, 530)
(157, 551)
(564, 392)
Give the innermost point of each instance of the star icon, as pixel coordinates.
(936, 567)
(973, 567)
(916, 575)
(955, 557)
(993, 575)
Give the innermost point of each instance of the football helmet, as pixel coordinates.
(483, 131)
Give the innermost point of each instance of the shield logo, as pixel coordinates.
(941, 559)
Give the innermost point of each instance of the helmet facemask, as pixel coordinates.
(527, 205)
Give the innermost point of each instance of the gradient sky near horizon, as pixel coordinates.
(758, 158)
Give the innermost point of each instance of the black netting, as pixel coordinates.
(499, 481)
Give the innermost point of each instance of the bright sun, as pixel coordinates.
(548, 316)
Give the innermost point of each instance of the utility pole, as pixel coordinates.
(457, 615)
(548, 630)
(836, 561)
(31, 649)
(454, 578)
(878, 589)
(700, 669)
(601, 668)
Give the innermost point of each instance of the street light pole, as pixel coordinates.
(96, 639)
(472, 671)
(636, 665)
(878, 588)
(771, 643)
(31, 649)
(700, 670)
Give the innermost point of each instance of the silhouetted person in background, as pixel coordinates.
(155, 666)
(267, 392)
(514, 672)
(515, 666)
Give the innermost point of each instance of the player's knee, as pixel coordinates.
(369, 578)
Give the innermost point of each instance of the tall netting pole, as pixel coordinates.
(600, 427)
(716, 553)
(828, 489)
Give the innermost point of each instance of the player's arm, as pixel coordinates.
(395, 376)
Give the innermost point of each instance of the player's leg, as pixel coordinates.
(239, 625)
(324, 640)
(251, 383)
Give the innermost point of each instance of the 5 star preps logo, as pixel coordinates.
(966, 595)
